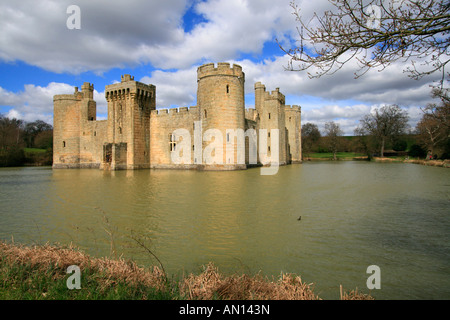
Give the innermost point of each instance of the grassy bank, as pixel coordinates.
(433, 163)
(356, 156)
(39, 273)
(339, 155)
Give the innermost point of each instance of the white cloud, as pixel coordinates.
(117, 34)
(175, 88)
(112, 33)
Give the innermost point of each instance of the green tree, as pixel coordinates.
(33, 129)
(310, 137)
(399, 145)
(11, 142)
(417, 151)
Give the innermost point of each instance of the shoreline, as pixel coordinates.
(40, 273)
(433, 163)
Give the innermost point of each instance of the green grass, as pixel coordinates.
(340, 155)
(23, 282)
(34, 150)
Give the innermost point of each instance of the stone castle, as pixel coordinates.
(137, 136)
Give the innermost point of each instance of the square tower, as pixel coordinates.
(129, 107)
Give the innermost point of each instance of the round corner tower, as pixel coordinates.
(221, 102)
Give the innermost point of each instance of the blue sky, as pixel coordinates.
(163, 43)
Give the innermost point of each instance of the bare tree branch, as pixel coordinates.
(377, 33)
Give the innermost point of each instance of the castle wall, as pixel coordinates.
(163, 123)
(92, 139)
(137, 136)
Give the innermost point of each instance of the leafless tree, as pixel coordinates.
(431, 133)
(440, 112)
(384, 124)
(333, 132)
(376, 33)
(434, 127)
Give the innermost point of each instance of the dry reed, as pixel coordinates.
(209, 284)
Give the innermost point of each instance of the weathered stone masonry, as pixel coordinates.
(137, 136)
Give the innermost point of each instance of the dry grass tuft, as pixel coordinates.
(355, 295)
(211, 284)
(41, 257)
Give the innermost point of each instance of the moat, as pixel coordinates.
(353, 215)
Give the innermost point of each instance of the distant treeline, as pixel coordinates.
(386, 129)
(25, 143)
(407, 144)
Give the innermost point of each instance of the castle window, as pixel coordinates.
(95, 133)
(206, 114)
(269, 116)
(172, 142)
(228, 89)
(120, 130)
(269, 134)
(64, 144)
(289, 119)
(92, 118)
(228, 137)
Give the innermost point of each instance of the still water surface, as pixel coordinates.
(353, 215)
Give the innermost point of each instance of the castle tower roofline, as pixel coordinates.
(259, 85)
(127, 77)
(87, 85)
(129, 86)
(222, 69)
(294, 108)
(274, 95)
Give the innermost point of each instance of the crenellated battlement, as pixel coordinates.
(174, 111)
(222, 69)
(261, 93)
(87, 87)
(126, 78)
(129, 88)
(293, 108)
(61, 97)
(259, 85)
(87, 91)
(275, 95)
